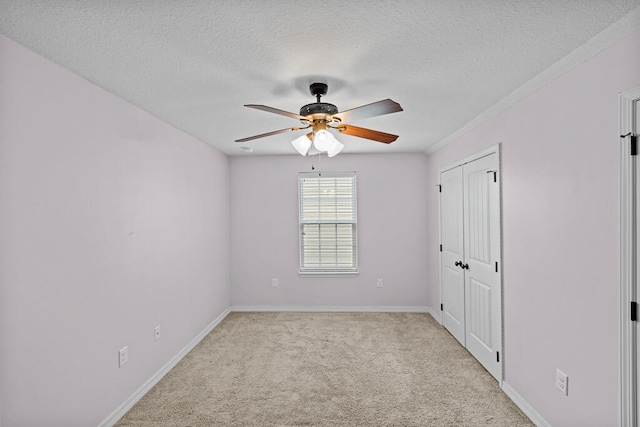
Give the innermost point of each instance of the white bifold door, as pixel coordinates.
(452, 241)
(470, 259)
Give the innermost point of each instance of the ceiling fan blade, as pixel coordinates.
(276, 111)
(374, 135)
(386, 106)
(262, 135)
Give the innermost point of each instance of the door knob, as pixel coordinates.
(458, 263)
(464, 266)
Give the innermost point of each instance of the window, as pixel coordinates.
(327, 203)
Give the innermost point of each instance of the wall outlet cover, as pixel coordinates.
(123, 356)
(562, 382)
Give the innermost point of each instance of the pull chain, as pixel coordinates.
(313, 167)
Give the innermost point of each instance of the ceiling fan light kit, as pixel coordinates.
(322, 116)
(323, 141)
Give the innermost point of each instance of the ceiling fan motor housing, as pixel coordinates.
(319, 108)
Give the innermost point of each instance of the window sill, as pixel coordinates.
(328, 273)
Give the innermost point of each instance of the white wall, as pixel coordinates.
(111, 223)
(560, 235)
(391, 232)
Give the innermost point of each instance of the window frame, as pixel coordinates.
(332, 270)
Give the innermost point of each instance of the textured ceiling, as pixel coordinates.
(194, 63)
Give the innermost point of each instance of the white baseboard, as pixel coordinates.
(135, 397)
(322, 309)
(436, 314)
(524, 406)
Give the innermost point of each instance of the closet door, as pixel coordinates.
(482, 282)
(451, 236)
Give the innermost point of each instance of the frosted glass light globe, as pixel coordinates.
(302, 144)
(335, 148)
(323, 140)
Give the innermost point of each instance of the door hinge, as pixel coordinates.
(495, 175)
(633, 139)
(496, 266)
(439, 188)
(497, 356)
(441, 307)
(634, 311)
(440, 248)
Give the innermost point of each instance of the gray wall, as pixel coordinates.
(560, 181)
(391, 232)
(111, 223)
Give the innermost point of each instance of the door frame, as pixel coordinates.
(628, 372)
(493, 149)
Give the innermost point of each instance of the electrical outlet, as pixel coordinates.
(379, 285)
(562, 382)
(274, 282)
(123, 356)
(156, 332)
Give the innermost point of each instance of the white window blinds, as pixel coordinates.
(328, 235)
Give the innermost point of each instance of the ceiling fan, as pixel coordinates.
(322, 116)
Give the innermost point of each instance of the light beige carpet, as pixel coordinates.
(327, 369)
